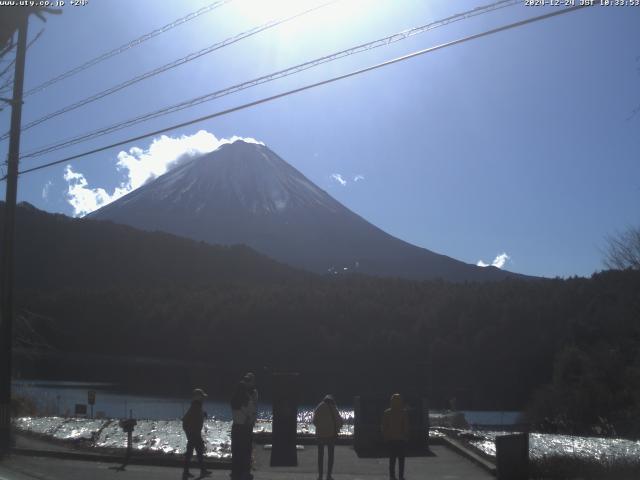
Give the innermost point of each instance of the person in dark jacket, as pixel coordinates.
(395, 430)
(192, 423)
(328, 423)
(240, 433)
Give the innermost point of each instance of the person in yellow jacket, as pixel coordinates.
(395, 430)
(328, 423)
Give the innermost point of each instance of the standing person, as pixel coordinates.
(328, 423)
(250, 382)
(192, 423)
(395, 430)
(240, 437)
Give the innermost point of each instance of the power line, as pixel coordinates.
(270, 77)
(267, 78)
(170, 65)
(133, 43)
(310, 86)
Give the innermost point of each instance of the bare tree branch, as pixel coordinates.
(623, 250)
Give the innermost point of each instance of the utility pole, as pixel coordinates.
(8, 239)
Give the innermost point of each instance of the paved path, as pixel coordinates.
(443, 465)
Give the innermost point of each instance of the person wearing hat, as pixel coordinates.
(328, 423)
(192, 423)
(395, 430)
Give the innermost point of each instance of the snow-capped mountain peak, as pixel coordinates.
(244, 193)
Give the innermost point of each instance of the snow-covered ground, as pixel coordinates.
(151, 436)
(166, 437)
(544, 446)
(560, 456)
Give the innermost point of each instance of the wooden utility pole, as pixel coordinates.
(8, 238)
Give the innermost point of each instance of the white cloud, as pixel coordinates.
(338, 178)
(141, 166)
(163, 154)
(45, 190)
(83, 199)
(498, 262)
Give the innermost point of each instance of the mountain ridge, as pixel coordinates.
(55, 251)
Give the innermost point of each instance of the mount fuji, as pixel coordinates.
(243, 193)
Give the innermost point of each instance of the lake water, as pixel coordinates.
(60, 398)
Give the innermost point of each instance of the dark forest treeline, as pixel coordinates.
(566, 350)
(54, 251)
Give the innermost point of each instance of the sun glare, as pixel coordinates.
(262, 11)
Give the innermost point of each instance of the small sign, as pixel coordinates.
(81, 409)
(91, 397)
(128, 424)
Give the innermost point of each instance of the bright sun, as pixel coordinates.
(262, 11)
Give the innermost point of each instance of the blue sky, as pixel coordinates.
(520, 143)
